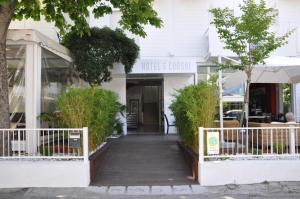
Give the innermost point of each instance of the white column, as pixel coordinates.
(32, 94)
(220, 81)
(85, 144)
(292, 141)
(297, 99)
(201, 154)
(294, 99)
(280, 108)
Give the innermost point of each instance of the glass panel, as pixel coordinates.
(237, 90)
(16, 59)
(57, 75)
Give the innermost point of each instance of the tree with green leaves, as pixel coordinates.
(95, 53)
(249, 37)
(135, 14)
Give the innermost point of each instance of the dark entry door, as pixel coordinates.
(151, 108)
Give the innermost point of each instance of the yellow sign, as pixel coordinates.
(213, 143)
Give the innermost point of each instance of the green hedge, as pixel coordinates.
(91, 107)
(194, 106)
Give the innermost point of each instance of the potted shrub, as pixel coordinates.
(194, 106)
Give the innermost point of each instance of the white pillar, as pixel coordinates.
(294, 99)
(280, 108)
(85, 137)
(292, 141)
(221, 99)
(201, 154)
(297, 99)
(32, 94)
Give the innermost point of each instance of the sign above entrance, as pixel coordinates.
(152, 66)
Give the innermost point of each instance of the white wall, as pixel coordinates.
(118, 85)
(16, 174)
(184, 23)
(184, 27)
(171, 84)
(287, 20)
(248, 172)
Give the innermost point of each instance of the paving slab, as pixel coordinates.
(116, 190)
(161, 190)
(138, 190)
(98, 189)
(182, 189)
(197, 189)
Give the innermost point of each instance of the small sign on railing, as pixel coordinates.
(213, 143)
(74, 140)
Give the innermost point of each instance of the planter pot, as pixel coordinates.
(191, 158)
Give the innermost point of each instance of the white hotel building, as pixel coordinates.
(180, 53)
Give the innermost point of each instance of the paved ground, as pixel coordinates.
(150, 159)
(273, 190)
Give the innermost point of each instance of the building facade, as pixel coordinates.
(181, 53)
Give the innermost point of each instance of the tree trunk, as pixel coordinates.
(6, 14)
(245, 111)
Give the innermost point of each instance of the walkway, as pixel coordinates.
(144, 160)
(272, 190)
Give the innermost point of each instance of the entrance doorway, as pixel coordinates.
(144, 105)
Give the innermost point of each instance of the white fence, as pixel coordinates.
(235, 143)
(44, 158)
(44, 143)
(248, 155)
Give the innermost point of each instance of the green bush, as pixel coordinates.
(92, 107)
(194, 107)
(279, 148)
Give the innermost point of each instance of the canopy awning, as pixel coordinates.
(24, 36)
(277, 69)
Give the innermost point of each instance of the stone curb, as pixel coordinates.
(149, 190)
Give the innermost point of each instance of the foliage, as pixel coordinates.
(52, 119)
(69, 16)
(194, 107)
(135, 13)
(279, 148)
(248, 36)
(45, 151)
(93, 107)
(95, 53)
(256, 151)
(287, 94)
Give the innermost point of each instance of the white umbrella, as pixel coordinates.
(277, 69)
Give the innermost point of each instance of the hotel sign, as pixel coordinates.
(213, 143)
(144, 66)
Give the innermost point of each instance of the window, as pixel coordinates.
(16, 59)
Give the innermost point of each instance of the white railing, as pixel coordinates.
(249, 143)
(59, 144)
